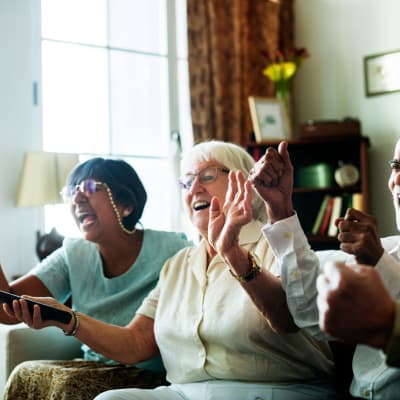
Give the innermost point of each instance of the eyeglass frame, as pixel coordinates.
(187, 186)
(69, 191)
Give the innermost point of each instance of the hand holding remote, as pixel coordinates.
(47, 312)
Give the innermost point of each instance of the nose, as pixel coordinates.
(78, 197)
(196, 184)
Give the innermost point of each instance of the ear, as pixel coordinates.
(127, 211)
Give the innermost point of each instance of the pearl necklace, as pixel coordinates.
(114, 206)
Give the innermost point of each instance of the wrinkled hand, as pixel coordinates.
(358, 234)
(354, 305)
(226, 222)
(34, 320)
(272, 178)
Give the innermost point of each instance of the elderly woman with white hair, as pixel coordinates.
(218, 315)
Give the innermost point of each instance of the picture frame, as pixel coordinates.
(381, 73)
(269, 119)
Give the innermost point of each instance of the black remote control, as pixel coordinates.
(46, 311)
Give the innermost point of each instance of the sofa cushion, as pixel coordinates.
(20, 343)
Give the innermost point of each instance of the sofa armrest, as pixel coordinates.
(20, 343)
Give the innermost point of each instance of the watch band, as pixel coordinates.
(254, 270)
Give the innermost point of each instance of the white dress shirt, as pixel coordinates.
(373, 379)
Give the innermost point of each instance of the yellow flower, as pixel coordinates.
(280, 71)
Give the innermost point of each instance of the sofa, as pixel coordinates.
(19, 343)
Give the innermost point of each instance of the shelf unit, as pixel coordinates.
(324, 149)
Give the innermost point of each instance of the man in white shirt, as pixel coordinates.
(373, 379)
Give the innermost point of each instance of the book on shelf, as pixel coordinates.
(336, 213)
(350, 201)
(323, 230)
(256, 153)
(358, 201)
(320, 215)
(347, 202)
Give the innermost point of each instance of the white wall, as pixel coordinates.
(19, 131)
(330, 84)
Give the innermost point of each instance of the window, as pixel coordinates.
(115, 83)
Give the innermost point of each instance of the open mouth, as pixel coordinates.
(200, 205)
(86, 218)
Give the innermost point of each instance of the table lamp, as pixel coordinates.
(42, 177)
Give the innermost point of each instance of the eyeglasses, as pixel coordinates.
(394, 164)
(87, 187)
(206, 175)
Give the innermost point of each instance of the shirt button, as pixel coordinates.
(287, 235)
(295, 274)
(365, 393)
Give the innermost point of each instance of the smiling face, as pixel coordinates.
(198, 196)
(394, 183)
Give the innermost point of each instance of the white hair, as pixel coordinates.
(233, 157)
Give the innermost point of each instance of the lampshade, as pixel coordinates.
(42, 177)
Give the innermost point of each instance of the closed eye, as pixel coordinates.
(394, 164)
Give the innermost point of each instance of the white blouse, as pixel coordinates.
(207, 327)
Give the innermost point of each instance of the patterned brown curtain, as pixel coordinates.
(226, 41)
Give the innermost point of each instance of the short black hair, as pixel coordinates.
(121, 178)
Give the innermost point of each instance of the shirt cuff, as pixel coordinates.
(389, 270)
(148, 307)
(285, 235)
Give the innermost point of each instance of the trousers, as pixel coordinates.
(226, 390)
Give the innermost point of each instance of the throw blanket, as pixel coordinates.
(74, 380)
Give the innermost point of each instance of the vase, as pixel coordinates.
(283, 93)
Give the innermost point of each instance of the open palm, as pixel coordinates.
(226, 222)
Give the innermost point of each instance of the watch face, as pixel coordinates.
(347, 175)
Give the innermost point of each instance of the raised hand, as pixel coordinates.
(358, 234)
(225, 222)
(272, 178)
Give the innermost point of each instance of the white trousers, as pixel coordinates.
(225, 390)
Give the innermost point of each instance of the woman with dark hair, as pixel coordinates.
(122, 185)
(108, 272)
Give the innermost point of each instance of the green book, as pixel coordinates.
(320, 215)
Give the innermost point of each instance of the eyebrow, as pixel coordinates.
(202, 169)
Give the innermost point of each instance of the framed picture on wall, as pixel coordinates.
(269, 119)
(381, 73)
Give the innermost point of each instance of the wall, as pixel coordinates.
(19, 131)
(330, 84)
